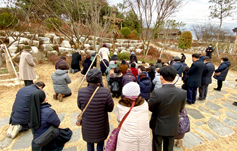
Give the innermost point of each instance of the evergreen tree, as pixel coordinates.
(185, 40)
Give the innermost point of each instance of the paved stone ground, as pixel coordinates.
(211, 119)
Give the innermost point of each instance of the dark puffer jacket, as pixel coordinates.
(20, 107)
(146, 87)
(128, 78)
(48, 118)
(223, 68)
(95, 123)
(86, 64)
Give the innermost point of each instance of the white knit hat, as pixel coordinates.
(115, 53)
(131, 89)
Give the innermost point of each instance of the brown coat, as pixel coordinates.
(123, 68)
(26, 66)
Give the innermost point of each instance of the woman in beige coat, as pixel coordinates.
(134, 134)
(26, 66)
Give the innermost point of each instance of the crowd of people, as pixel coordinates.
(161, 88)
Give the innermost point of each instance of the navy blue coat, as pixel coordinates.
(145, 87)
(223, 68)
(48, 118)
(195, 74)
(179, 68)
(86, 64)
(20, 107)
(207, 73)
(102, 66)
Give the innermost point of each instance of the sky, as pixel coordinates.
(194, 12)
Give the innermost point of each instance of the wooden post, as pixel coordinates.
(235, 45)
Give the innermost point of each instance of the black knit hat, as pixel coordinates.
(94, 76)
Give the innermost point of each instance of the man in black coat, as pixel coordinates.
(20, 109)
(195, 77)
(209, 51)
(75, 66)
(206, 78)
(165, 105)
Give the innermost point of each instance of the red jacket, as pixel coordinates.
(134, 72)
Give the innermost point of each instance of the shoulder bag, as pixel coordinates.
(217, 74)
(46, 137)
(79, 118)
(184, 123)
(112, 141)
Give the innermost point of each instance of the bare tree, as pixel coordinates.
(222, 9)
(151, 14)
(80, 18)
(16, 32)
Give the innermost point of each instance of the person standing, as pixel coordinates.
(26, 66)
(75, 66)
(165, 105)
(18, 120)
(209, 51)
(95, 121)
(223, 68)
(134, 134)
(206, 78)
(178, 66)
(61, 61)
(104, 52)
(195, 78)
(183, 58)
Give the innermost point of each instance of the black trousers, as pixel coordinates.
(203, 91)
(28, 82)
(168, 143)
(219, 84)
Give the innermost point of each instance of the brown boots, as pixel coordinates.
(58, 96)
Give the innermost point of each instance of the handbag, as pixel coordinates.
(46, 137)
(184, 123)
(217, 74)
(112, 141)
(79, 117)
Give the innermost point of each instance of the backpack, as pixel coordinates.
(115, 86)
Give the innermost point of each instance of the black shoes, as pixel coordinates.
(235, 103)
(217, 89)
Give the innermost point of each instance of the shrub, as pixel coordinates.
(131, 36)
(135, 32)
(125, 31)
(185, 40)
(122, 56)
(51, 22)
(7, 20)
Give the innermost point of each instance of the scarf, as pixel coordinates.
(34, 115)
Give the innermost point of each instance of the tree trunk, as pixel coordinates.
(235, 46)
(9, 65)
(1, 59)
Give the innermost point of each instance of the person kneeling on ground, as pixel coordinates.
(60, 83)
(41, 118)
(86, 64)
(115, 80)
(61, 61)
(20, 109)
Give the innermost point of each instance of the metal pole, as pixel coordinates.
(87, 72)
(103, 62)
